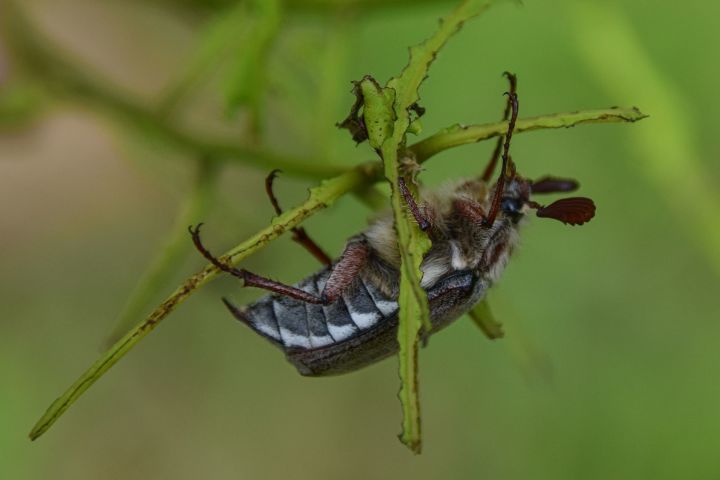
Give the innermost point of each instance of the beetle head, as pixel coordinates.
(511, 194)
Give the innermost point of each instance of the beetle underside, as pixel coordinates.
(344, 317)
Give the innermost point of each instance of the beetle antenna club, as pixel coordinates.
(570, 211)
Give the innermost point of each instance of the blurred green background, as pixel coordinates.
(609, 366)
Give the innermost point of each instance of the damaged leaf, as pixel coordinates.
(371, 116)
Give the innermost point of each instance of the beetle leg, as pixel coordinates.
(299, 234)
(346, 270)
(343, 274)
(422, 222)
(250, 279)
(507, 168)
(490, 168)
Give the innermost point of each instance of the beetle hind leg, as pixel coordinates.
(352, 261)
(250, 279)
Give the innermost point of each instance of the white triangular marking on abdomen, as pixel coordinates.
(364, 319)
(292, 339)
(387, 308)
(340, 332)
(267, 330)
(321, 341)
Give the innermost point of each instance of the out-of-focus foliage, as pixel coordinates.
(19, 105)
(620, 310)
(605, 36)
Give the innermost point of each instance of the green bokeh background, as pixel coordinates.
(610, 363)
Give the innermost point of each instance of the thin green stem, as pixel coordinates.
(457, 135)
(483, 317)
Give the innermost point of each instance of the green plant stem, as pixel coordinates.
(457, 135)
(320, 197)
(483, 317)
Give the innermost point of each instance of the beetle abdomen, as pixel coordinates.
(293, 324)
(449, 299)
(357, 329)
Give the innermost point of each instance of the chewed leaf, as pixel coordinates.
(377, 111)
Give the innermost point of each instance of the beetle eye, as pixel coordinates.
(511, 205)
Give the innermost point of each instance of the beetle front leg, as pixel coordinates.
(421, 219)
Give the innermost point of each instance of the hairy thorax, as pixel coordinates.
(459, 243)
